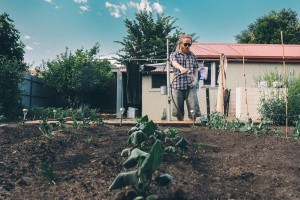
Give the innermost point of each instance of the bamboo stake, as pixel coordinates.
(286, 88)
(246, 96)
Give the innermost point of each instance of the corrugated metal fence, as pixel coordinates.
(34, 92)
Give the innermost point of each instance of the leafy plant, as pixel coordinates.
(297, 128)
(200, 146)
(274, 106)
(46, 128)
(61, 123)
(86, 122)
(276, 132)
(217, 122)
(48, 171)
(141, 178)
(164, 115)
(235, 125)
(98, 121)
(12, 68)
(269, 76)
(77, 77)
(2, 118)
(250, 127)
(75, 124)
(146, 137)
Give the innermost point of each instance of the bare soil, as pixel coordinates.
(218, 165)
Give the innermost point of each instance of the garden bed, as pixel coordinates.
(218, 165)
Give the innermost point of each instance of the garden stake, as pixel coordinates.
(122, 112)
(246, 97)
(286, 89)
(193, 116)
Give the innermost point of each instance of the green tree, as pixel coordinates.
(77, 77)
(266, 29)
(12, 68)
(146, 37)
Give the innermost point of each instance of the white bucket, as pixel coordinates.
(131, 113)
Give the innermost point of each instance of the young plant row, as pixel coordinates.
(38, 113)
(221, 123)
(149, 145)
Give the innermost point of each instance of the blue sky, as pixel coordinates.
(47, 27)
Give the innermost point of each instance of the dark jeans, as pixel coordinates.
(190, 96)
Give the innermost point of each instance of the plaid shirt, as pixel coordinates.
(183, 81)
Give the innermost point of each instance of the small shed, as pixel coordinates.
(246, 63)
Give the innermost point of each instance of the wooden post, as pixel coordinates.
(207, 104)
(286, 89)
(246, 95)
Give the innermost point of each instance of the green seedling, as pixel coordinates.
(46, 128)
(48, 171)
(61, 123)
(200, 146)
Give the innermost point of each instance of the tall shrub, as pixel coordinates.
(77, 77)
(274, 107)
(12, 68)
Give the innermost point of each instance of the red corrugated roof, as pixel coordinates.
(254, 51)
(251, 52)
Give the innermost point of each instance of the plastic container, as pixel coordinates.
(131, 112)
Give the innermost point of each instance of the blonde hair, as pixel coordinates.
(181, 38)
(185, 36)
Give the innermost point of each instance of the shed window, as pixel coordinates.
(159, 80)
(213, 72)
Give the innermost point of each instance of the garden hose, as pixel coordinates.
(171, 92)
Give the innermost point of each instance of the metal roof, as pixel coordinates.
(267, 52)
(152, 68)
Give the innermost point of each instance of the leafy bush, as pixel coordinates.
(297, 128)
(274, 107)
(294, 99)
(11, 76)
(221, 123)
(12, 69)
(217, 121)
(269, 76)
(76, 78)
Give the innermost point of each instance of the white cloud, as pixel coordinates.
(177, 10)
(29, 48)
(143, 5)
(49, 1)
(80, 1)
(157, 7)
(115, 10)
(27, 37)
(84, 8)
